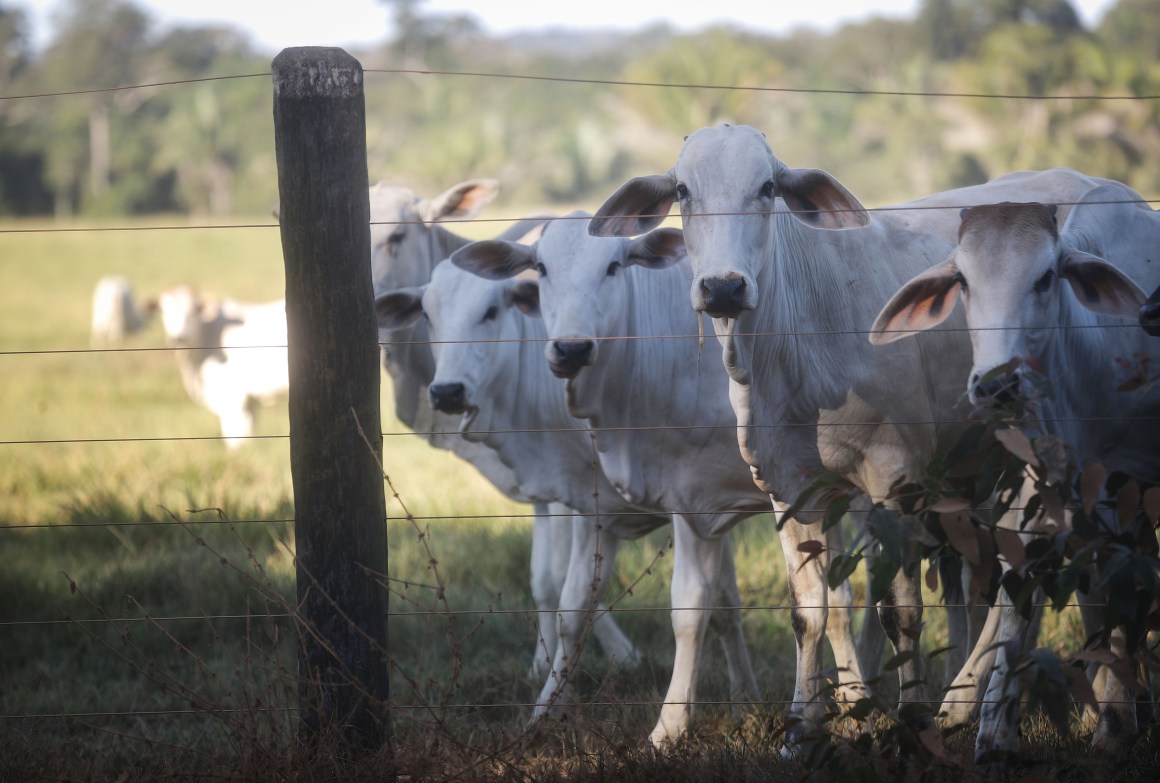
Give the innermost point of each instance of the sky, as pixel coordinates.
(355, 23)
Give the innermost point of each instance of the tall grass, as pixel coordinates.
(147, 571)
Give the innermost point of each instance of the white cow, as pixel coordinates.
(1010, 267)
(790, 304)
(623, 336)
(409, 238)
(115, 312)
(232, 356)
(490, 371)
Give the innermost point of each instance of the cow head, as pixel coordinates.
(1009, 268)
(404, 246)
(470, 328)
(726, 181)
(583, 296)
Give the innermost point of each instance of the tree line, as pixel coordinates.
(206, 147)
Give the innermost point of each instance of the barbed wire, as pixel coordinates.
(614, 83)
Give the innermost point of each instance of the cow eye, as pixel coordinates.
(682, 191)
(491, 313)
(615, 265)
(962, 281)
(767, 189)
(396, 239)
(543, 270)
(1043, 283)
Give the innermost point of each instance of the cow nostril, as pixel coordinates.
(1000, 390)
(576, 352)
(448, 397)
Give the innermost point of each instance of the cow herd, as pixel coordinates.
(567, 360)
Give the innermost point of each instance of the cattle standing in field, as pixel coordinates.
(1010, 268)
(792, 269)
(409, 238)
(490, 371)
(115, 312)
(623, 336)
(232, 356)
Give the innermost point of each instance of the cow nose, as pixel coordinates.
(723, 297)
(448, 397)
(570, 356)
(1002, 389)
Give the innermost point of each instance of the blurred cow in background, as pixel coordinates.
(115, 312)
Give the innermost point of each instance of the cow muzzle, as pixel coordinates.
(995, 388)
(566, 358)
(726, 296)
(448, 397)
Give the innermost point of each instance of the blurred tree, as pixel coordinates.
(1132, 27)
(106, 40)
(956, 28)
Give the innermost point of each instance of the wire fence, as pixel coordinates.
(11, 527)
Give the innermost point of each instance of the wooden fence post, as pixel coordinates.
(339, 507)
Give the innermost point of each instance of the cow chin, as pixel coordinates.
(566, 370)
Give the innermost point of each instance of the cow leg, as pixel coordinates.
(696, 574)
(900, 611)
(549, 546)
(961, 702)
(1001, 710)
(840, 631)
(809, 608)
(1117, 727)
(593, 550)
(871, 637)
(726, 623)
(237, 422)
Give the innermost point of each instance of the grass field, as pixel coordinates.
(147, 572)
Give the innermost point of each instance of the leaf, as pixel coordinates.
(1127, 504)
(1052, 506)
(898, 660)
(961, 534)
(948, 505)
(1016, 443)
(932, 577)
(1051, 452)
(1010, 546)
(811, 547)
(1152, 504)
(835, 511)
(1091, 484)
(841, 568)
(1105, 657)
(1081, 689)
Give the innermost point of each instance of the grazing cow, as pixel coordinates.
(409, 238)
(490, 370)
(623, 337)
(115, 312)
(1009, 267)
(232, 356)
(789, 304)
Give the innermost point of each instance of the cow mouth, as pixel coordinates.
(565, 371)
(470, 414)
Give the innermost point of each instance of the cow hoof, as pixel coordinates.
(801, 737)
(849, 694)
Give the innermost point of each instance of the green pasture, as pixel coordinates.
(147, 571)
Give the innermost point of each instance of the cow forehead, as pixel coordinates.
(567, 248)
(390, 202)
(1007, 238)
(455, 290)
(725, 154)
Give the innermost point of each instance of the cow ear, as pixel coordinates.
(459, 202)
(399, 309)
(657, 249)
(1101, 287)
(494, 259)
(820, 201)
(922, 303)
(525, 294)
(640, 205)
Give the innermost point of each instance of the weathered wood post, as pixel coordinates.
(339, 507)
